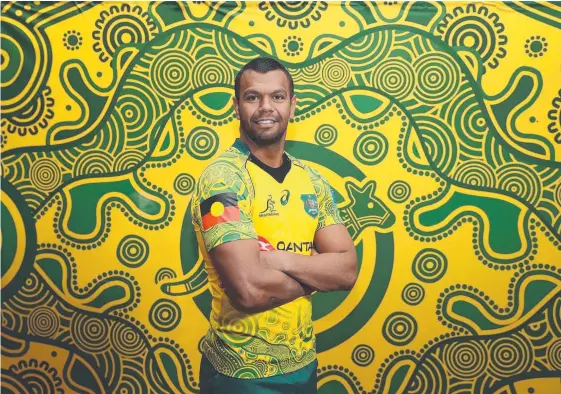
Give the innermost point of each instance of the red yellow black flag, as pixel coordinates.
(220, 208)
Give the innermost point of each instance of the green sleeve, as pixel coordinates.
(328, 213)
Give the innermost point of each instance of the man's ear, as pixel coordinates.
(236, 107)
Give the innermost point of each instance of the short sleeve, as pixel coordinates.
(221, 206)
(328, 211)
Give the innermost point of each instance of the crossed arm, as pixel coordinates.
(257, 281)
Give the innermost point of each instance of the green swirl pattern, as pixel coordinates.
(436, 126)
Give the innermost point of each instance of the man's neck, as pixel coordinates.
(270, 155)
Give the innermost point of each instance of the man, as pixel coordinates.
(251, 201)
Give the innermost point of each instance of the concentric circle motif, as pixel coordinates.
(170, 73)
(554, 355)
(126, 340)
(164, 274)
(326, 135)
(521, 181)
(90, 334)
(184, 184)
(394, 76)
(554, 317)
(399, 191)
(127, 160)
(438, 78)
(18, 242)
(363, 355)
(136, 109)
(32, 292)
(45, 175)
(212, 70)
(133, 251)
(335, 73)
(557, 193)
(238, 332)
(370, 148)
(466, 360)
(475, 173)
(478, 28)
(164, 315)
(413, 294)
(309, 73)
(202, 143)
(510, 356)
(121, 25)
(43, 322)
(22, 68)
(32, 376)
(400, 328)
(429, 265)
(430, 378)
(93, 162)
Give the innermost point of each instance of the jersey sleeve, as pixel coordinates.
(221, 207)
(328, 212)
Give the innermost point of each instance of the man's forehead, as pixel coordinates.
(271, 80)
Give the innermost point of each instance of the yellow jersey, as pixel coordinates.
(238, 197)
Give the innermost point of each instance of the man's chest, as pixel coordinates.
(285, 214)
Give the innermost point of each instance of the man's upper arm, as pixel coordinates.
(331, 234)
(221, 210)
(222, 206)
(328, 213)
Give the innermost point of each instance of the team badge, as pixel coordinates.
(310, 204)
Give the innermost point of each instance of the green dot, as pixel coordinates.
(342, 24)
(68, 107)
(536, 46)
(72, 40)
(533, 119)
(251, 23)
(293, 46)
(99, 74)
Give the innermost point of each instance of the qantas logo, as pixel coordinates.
(295, 246)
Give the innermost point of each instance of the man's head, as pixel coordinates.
(264, 101)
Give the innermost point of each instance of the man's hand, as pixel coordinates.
(277, 260)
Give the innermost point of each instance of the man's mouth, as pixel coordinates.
(265, 121)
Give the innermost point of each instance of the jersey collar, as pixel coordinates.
(244, 149)
(241, 146)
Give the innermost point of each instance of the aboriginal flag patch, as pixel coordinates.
(221, 208)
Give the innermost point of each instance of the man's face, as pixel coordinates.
(265, 106)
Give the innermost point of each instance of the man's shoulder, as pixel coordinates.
(229, 163)
(313, 173)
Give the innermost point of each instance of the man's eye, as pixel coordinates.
(251, 98)
(278, 97)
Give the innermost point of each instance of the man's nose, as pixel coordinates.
(265, 104)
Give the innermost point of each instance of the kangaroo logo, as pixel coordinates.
(270, 209)
(365, 209)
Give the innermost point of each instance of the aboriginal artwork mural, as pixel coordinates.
(438, 126)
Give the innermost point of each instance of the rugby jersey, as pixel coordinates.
(238, 197)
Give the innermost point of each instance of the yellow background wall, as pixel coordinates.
(438, 125)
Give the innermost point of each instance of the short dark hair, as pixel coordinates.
(262, 65)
